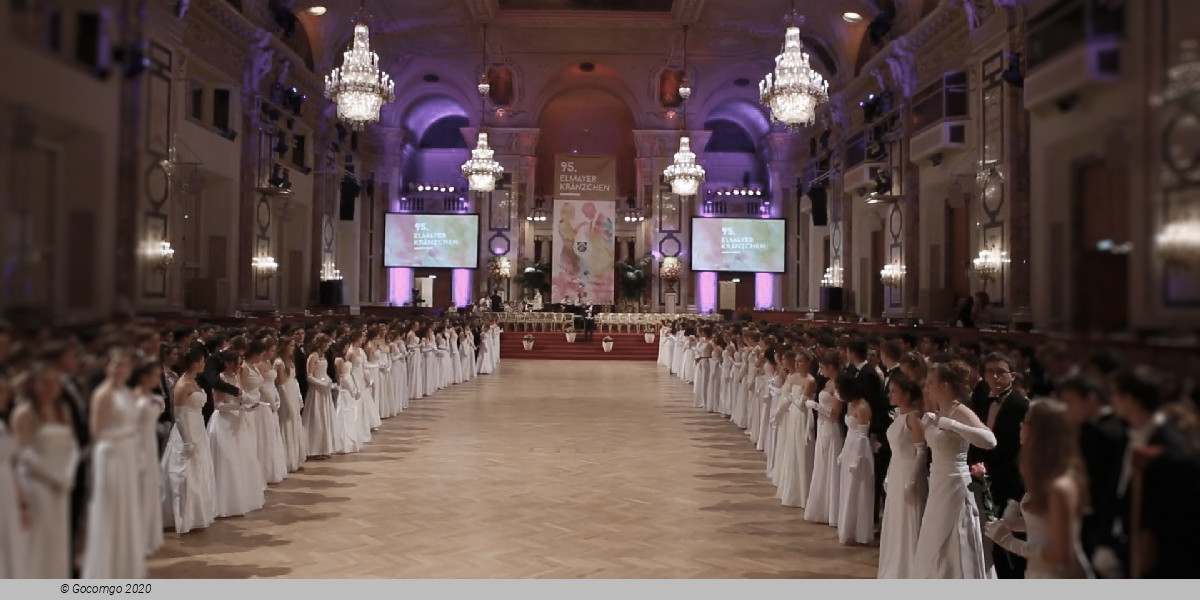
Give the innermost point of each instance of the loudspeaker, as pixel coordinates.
(832, 299)
(331, 293)
(349, 199)
(819, 197)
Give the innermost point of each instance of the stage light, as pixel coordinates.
(316, 11)
(851, 17)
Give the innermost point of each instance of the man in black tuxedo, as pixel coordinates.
(589, 318)
(497, 302)
(210, 379)
(1138, 400)
(1102, 440)
(1002, 411)
(867, 377)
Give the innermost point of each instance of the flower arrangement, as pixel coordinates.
(669, 271)
(607, 339)
(499, 268)
(981, 484)
(528, 337)
(569, 329)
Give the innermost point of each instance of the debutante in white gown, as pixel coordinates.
(793, 448)
(486, 348)
(189, 483)
(348, 429)
(662, 345)
(466, 357)
(150, 476)
(455, 360)
(416, 369)
(320, 415)
(116, 535)
(1037, 536)
(400, 376)
(13, 536)
(291, 424)
(271, 455)
(703, 365)
(445, 365)
(950, 545)
(432, 366)
(902, 506)
(365, 377)
(826, 482)
(385, 384)
(856, 503)
(47, 471)
(236, 466)
(496, 332)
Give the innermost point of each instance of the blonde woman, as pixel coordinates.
(1055, 499)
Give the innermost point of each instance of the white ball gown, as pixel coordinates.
(236, 466)
(466, 358)
(291, 424)
(116, 536)
(432, 366)
(385, 384)
(455, 360)
(365, 376)
(496, 346)
(1037, 537)
(856, 501)
(416, 369)
(189, 483)
(822, 504)
(319, 414)
(485, 353)
(703, 365)
(13, 537)
(271, 455)
(793, 448)
(347, 429)
(400, 376)
(47, 471)
(950, 545)
(149, 409)
(903, 504)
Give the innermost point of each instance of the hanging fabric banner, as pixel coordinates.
(585, 177)
(584, 251)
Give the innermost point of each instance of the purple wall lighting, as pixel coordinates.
(764, 290)
(400, 285)
(462, 287)
(706, 292)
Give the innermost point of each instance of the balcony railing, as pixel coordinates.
(1068, 23)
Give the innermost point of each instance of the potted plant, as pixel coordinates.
(570, 332)
(649, 334)
(527, 341)
(633, 278)
(607, 344)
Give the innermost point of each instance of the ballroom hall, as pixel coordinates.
(604, 289)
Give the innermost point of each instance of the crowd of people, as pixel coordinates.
(111, 435)
(985, 459)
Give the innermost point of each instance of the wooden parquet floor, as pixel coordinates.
(548, 470)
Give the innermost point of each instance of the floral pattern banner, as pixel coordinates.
(584, 258)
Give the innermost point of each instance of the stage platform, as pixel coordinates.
(553, 345)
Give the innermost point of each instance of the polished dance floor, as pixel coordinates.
(544, 469)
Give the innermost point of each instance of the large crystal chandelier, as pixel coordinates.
(359, 87)
(1179, 243)
(482, 170)
(684, 175)
(794, 90)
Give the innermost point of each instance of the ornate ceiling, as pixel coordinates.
(630, 42)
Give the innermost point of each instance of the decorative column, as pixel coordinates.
(782, 149)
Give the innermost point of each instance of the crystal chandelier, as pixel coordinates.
(794, 90)
(832, 277)
(358, 87)
(264, 265)
(892, 275)
(330, 272)
(989, 263)
(482, 170)
(684, 175)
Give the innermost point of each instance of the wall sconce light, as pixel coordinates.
(892, 275)
(536, 216)
(330, 272)
(633, 216)
(265, 266)
(990, 263)
(1178, 243)
(159, 254)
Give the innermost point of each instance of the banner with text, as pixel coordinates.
(584, 251)
(585, 177)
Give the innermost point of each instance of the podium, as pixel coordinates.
(671, 298)
(832, 299)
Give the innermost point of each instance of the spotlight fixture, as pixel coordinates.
(851, 17)
(315, 11)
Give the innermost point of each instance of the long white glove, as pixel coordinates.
(319, 383)
(825, 411)
(59, 481)
(917, 490)
(1013, 516)
(980, 437)
(1000, 533)
(189, 444)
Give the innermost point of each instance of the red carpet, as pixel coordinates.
(553, 345)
